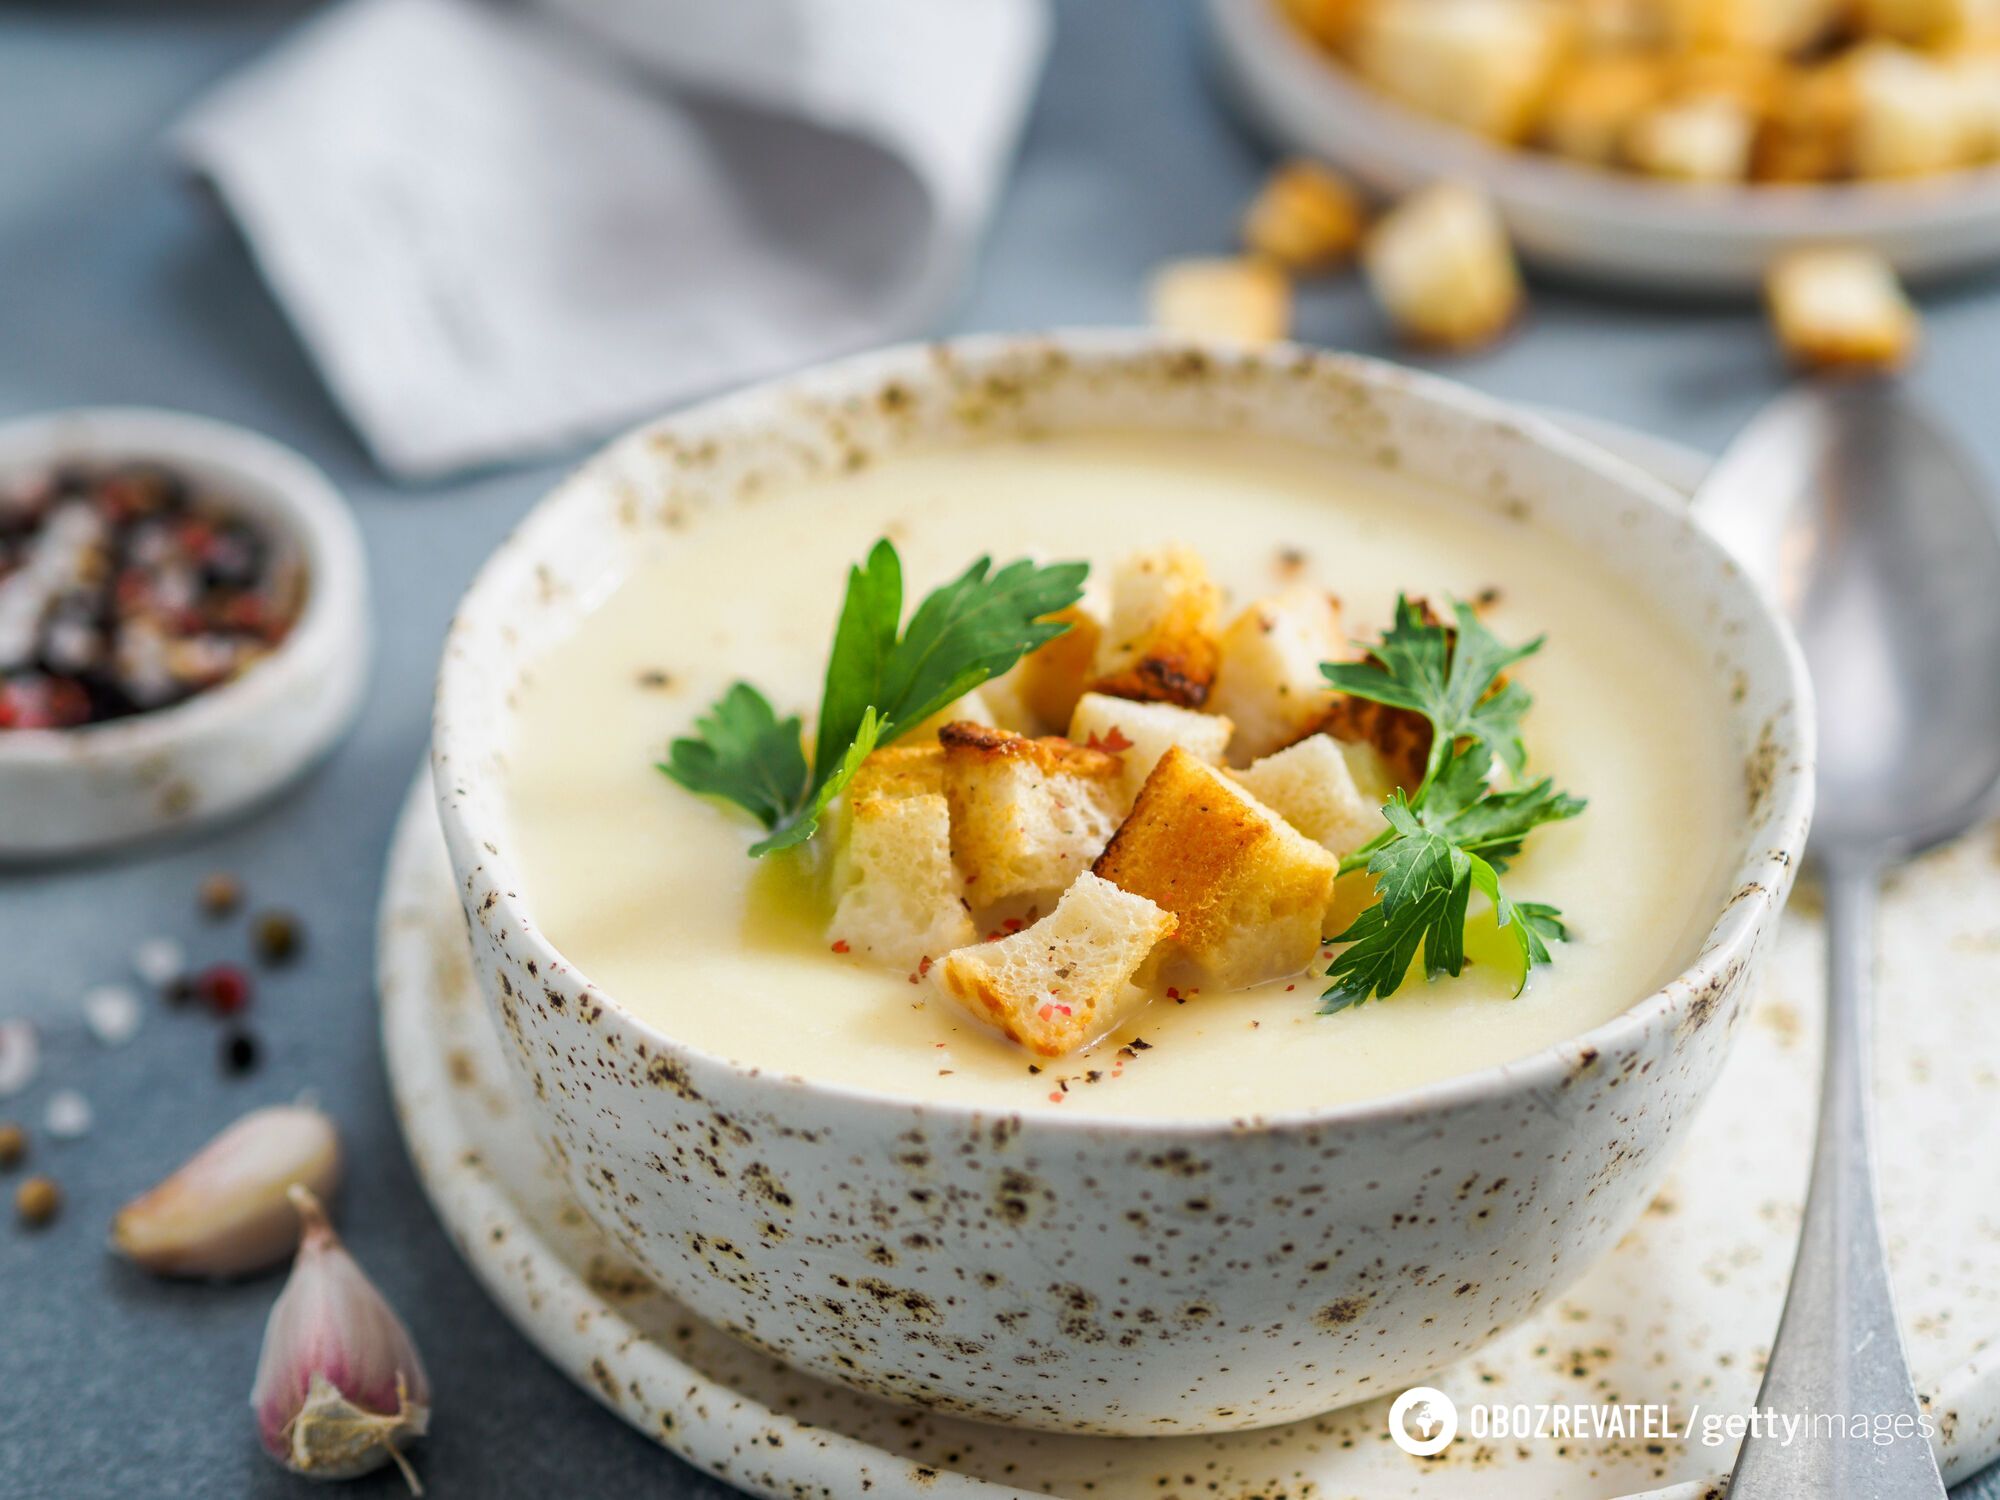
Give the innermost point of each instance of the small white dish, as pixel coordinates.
(1606, 225)
(75, 791)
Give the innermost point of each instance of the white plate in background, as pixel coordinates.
(1609, 226)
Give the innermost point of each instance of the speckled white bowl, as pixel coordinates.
(74, 791)
(1056, 1270)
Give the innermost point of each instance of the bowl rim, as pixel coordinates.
(286, 489)
(1769, 213)
(1757, 885)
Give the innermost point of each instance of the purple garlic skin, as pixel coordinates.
(340, 1387)
(225, 1211)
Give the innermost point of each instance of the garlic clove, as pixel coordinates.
(340, 1386)
(225, 1211)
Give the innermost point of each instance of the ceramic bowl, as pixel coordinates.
(1055, 1270)
(73, 791)
(1609, 226)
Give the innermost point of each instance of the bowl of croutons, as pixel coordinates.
(1669, 143)
(1114, 884)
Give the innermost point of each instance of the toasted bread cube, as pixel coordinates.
(1268, 679)
(1927, 22)
(1977, 75)
(1752, 80)
(1311, 786)
(1027, 815)
(1840, 308)
(1911, 117)
(1140, 733)
(898, 899)
(1160, 642)
(1399, 737)
(1305, 217)
(1054, 676)
(1808, 135)
(1603, 25)
(1066, 980)
(1769, 27)
(1441, 267)
(1248, 888)
(971, 708)
(1483, 64)
(1245, 300)
(1706, 138)
(908, 768)
(1593, 104)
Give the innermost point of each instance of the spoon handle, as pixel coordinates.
(1839, 1353)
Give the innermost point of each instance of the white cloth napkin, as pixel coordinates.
(500, 229)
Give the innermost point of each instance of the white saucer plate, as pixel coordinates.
(1679, 1314)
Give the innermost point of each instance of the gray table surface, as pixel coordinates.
(119, 285)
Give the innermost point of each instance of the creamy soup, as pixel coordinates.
(649, 893)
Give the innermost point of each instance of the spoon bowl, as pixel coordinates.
(1876, 538)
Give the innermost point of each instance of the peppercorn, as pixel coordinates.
(220, 895)
(13, 1144)
(37, 1201)
(277, 937)
(239, 1052)
(224, 988)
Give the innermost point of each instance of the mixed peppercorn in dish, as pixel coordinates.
(126, 588)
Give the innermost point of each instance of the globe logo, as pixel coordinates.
(1422, 1421)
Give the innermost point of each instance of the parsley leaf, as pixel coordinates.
(881, 681)
(1447, 674)
(1455, 835)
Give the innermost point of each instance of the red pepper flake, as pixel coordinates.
(1289, 988)
(913, 978)
(924, 967)
(840, 946)
(1112, 743)
(1173, 994)
(1013, 924)
(1045, 1012)
(223, 988)
(1056, 1098)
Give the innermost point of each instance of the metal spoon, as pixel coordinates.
(1880, 544)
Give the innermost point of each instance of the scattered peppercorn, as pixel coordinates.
(37, 1201)
(13, 1144)
(181, 992)
(239, 1052)
(224, 988)
(220, 895)
(277, 937)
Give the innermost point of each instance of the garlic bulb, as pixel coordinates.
(224, 1212)
(340, 1387)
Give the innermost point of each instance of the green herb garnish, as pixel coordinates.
(880, 682)
(1455, 834)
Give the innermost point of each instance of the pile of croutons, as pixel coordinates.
(1156, 798)
(1699, 90)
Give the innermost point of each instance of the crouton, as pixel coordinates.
(1140, 733)
(1267, 675)
(1483, 64)
(1160, 642)
(1305, 217)
(1400, 736)
(908, 768)
(1977, 75)
(969, 708)
(1027, 815)
(1248, 889)
(1066, 980)
(1926, 22)
(1052, 677)
(1840, 308)
(1247, 300)
(1594, 104)
(1311, 786)
(1704, 138)
(1910, 115)
(1765, 28)
(1441, 268)
(897, 892)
